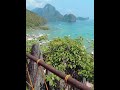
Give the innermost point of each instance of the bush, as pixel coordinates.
(71, 57)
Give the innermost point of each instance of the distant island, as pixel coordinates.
(81, 18)
(69, 18)
(34, 21)
(51, 14)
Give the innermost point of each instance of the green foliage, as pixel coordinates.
(52, 79)
(29, 43)
(26, 88)
(34, 21)
(92, 44)
(44, 27)
(44, 37)
(71, 57)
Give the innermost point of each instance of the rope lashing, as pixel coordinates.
(28, 84)
(31, 84)
(30, 78)
(38, 60)
(42, 73)
(66, 78)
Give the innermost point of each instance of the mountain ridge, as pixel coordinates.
(51, 14)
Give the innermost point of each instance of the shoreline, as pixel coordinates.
(34, 37)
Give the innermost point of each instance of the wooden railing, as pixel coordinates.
(70, 80)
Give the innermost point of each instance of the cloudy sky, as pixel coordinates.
(83, 8)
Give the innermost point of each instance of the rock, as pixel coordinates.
(70, 18)
(49, 12)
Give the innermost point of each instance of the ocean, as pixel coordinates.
(74, 29)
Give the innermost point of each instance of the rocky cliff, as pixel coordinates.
(70, 18)
(49, 12)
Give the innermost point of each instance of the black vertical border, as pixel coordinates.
(13, 45)
(21, 44)
(105, 47)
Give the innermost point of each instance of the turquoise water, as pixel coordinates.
(74, 30)
(61, 29)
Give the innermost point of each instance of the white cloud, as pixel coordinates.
(33, 4)
(36, 3)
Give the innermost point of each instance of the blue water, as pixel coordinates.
(74, 30)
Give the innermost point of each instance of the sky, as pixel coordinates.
(82, 8)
